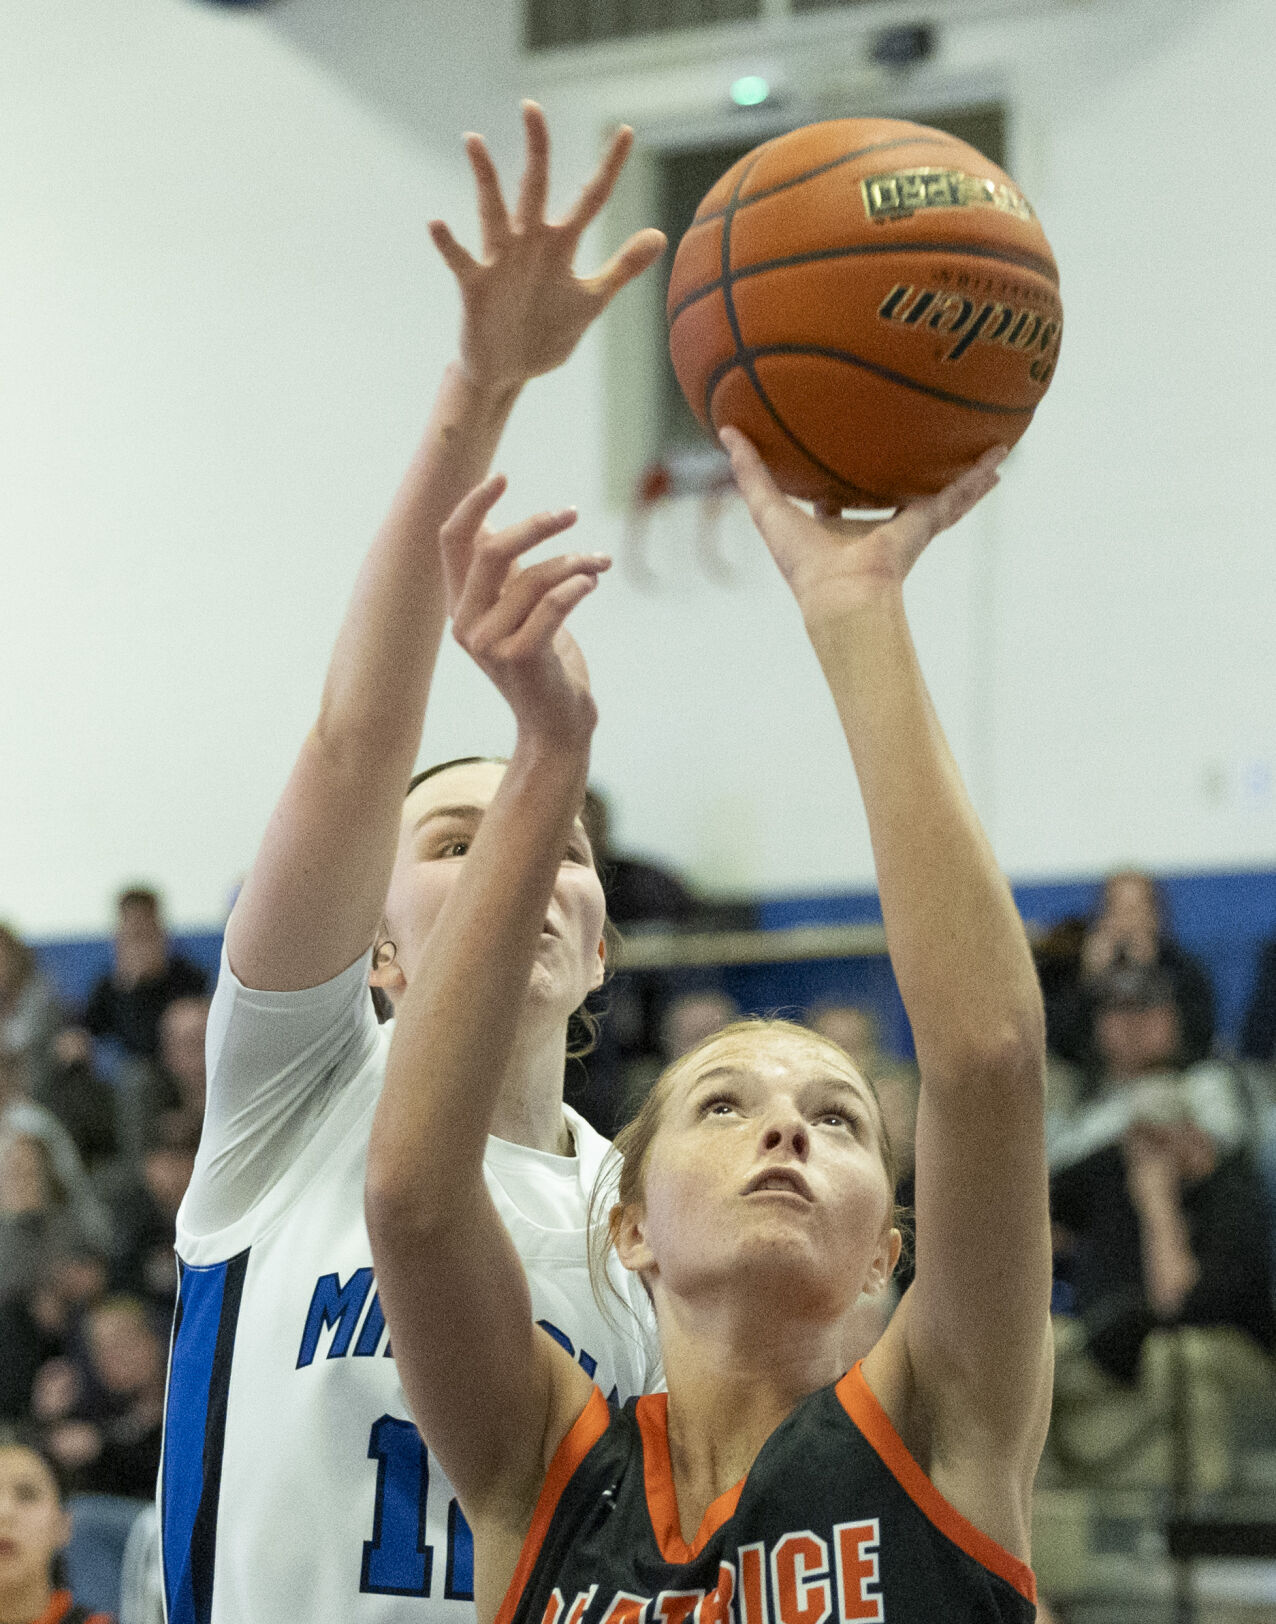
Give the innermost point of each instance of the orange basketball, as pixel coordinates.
(872, 302)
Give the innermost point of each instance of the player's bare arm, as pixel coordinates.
(313, 899)
(963, 1368)
(452, 1285)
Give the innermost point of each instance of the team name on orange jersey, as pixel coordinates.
(802, 1579)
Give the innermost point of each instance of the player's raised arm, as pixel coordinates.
(313, 900)
(490, 1392)
(964, 1367)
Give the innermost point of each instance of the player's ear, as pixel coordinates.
(625, 1225)
(386, 971)
(884, 1261)
(600, 966)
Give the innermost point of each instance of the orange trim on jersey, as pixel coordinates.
(662, 1498)
(60, 1604)
(580, 1438)
(861, 1404)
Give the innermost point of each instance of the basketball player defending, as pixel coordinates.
(293, 1485)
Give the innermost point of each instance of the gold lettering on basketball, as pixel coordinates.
(898, 194)
(1015, 327)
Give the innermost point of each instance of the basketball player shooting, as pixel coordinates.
(755, 1196)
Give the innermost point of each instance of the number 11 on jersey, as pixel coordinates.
(397, 1560)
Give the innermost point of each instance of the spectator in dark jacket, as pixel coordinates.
(84, 1103)
(143, 1208)
(173, 1080)
(1258, 1031)
(103, 1410)
(1130, 928)
(41, 1323)
(147, 976)
(1154, 1187)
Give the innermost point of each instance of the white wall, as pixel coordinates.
(220, 322)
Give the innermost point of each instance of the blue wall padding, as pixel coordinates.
(1221, 918)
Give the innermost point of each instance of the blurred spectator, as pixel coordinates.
(623, 1060)
(103, 1411)
(1258, 1030)
(174, 1080)
(1153, 1185)
(855, 1029)
(147, 976)
(638, 892)
(1130, 928)
(144, 1207)
(684, 1017)
(691, 1017)
(41, 1323)
(33, 1211)
(30, 1014)
(35, 1528)
(47, 1188)
(83, 1102)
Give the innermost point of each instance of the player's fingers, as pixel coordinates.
(494, 221)
(762, 496)
(493, 557)
(644, 248)
(457, 533)
(524, 591)
(920, 522)
(956, 499)
(597, 189)
(457, 259)
(535, 183)
(542, 625)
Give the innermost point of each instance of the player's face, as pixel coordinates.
(766, 1181)
(33, 1525)
(439, 822)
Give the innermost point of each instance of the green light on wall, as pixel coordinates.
(751, 91)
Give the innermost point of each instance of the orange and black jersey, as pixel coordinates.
(835, 1523)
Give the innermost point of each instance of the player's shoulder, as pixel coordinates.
(594, 1152)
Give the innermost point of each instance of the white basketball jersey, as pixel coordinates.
(294, 1485)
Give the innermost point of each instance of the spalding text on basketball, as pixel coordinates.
(1015, 327)
(902, 192)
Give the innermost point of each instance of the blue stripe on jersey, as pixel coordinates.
(194, 1433)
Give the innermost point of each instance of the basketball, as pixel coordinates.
(872, 302)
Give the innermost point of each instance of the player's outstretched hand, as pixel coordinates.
(511, 620)
(834, 564)
(524, 306)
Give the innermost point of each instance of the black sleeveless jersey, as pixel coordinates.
(835, 1523)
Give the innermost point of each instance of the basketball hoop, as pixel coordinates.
(691, 471)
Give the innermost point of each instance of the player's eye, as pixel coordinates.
(719, 1105)
(835, 1116)
(455, 847)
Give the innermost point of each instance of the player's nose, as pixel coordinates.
(784, 1129)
